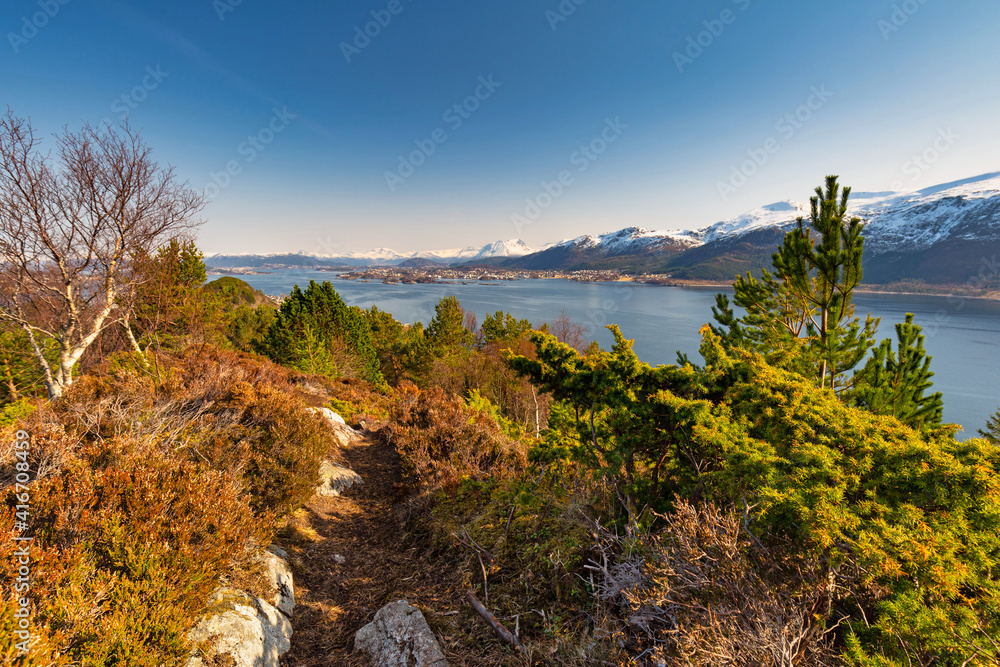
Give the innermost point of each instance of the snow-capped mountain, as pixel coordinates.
(772, 215)
(604, 250)
(963, 210)
(627, 241)
(939, 234)
(383, 256)
(513, 248)
(894, 221)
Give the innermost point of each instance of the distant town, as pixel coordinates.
(431, 275)
(393, 275)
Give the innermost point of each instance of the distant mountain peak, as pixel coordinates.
(781, 207)
(510, 248)
(965, 211)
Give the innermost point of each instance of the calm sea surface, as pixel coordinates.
(963, 335)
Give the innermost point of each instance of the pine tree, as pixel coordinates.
(992, 432)
(801, 315)
(312, 354)
(827, 489)
(504, 328)
(318, 314)
(447, 332)
(894, 383)
(169, 307)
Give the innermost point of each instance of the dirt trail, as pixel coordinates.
(381, 563)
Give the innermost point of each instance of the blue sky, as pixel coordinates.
(689, 112)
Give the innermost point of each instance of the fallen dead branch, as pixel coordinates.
(503, 633)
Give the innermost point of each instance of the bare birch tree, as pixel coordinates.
(70, 228)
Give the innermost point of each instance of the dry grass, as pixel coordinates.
(703, 591)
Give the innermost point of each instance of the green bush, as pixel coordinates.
(905, 522)
(316, 332)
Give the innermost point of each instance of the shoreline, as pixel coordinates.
(392, 275)
(952, 295)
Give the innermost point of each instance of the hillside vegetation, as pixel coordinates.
(790, 497)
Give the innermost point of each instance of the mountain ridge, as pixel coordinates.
(948, 230)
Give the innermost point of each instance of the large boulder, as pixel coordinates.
(400, 637)
(279, 576)
(342, 433)
(335, 479)
(246, 629)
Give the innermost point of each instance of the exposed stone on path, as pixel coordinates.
(342, 433)
(279, 575)
(335, 479)
(247, 629)
(400, 637)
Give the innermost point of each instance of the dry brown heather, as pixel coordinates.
(443, 442)
(152, 485)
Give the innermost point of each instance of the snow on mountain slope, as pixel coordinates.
(378, 254)
(969, 208)
(511, 248)
(627, 241)
(778, 214)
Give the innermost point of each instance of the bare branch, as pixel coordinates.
(72, 227)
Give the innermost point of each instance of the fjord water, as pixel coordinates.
(962, 335)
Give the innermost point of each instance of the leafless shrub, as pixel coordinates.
(569, 332)
(705, 592)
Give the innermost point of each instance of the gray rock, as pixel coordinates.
(400, 637)
(342, 433)
(279, 575)
(335, 479)
(330, 416)
(280, 553)
(245, 628)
